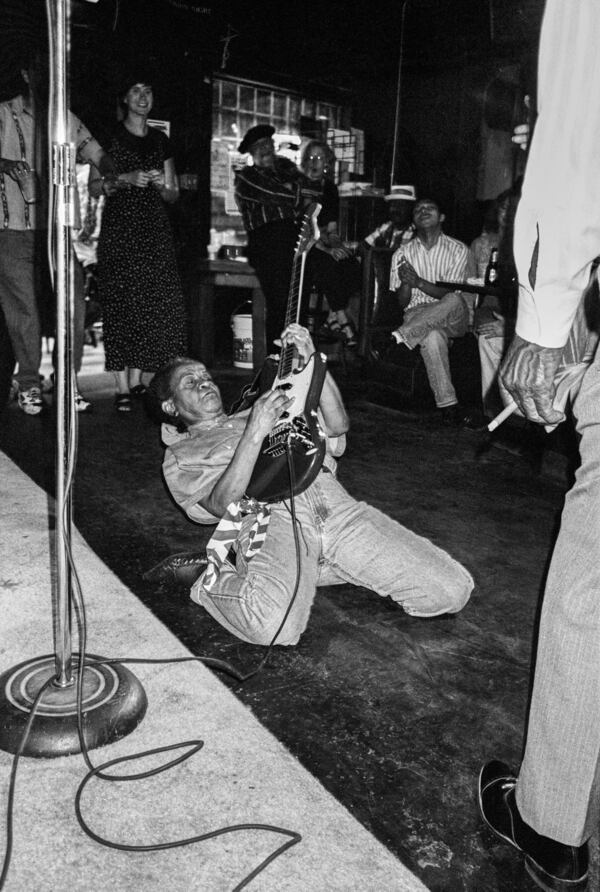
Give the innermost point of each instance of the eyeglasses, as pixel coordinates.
(316, 157)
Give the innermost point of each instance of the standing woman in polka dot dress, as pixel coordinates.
(139, 287)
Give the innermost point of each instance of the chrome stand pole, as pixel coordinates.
(113, 702)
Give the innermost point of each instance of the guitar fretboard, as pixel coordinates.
(293, 312)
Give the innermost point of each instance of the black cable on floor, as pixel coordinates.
(194, 745)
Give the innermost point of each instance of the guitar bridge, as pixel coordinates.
(296, 434)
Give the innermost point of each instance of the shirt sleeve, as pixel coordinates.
(456, 271)
(378, 233)
(191, 481)
(250, 188)
(395, 282)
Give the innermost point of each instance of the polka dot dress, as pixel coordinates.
(139, 287)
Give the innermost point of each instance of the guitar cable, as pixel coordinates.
(191, 746)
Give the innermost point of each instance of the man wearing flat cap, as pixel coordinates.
(270, 195)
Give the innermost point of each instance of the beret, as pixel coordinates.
(260, 131)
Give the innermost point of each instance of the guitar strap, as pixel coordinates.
(226, 535)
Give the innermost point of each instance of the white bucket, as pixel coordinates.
(242, 341)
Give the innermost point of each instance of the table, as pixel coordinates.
(212, 274)
(470, 288)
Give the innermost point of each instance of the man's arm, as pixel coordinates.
(249, 189)
(410, 279)
(231, 485)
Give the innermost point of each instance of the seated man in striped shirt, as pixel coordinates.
(432, 313)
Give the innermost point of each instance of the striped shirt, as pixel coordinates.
(267, 194)
(446, 261)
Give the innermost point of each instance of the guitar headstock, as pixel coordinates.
(309, 230)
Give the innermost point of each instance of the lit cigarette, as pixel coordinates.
(502, 416)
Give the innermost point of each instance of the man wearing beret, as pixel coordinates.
(270, 195)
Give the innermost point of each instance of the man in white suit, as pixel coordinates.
(549, 811)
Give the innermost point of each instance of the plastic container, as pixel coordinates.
(241, 323)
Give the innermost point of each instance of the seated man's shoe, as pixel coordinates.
(184, 567)
(451, 416)
(475, 420)
(553, 866)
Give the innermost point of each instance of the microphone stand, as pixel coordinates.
(113, 700)
(398, 95)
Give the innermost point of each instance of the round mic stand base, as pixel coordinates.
(113, 704)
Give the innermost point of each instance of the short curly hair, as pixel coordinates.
(160, 389)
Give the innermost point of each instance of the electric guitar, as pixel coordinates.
(297, 438)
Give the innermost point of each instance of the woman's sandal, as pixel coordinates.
(122, 402)
(138, 390)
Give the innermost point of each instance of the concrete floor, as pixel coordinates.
(393, 715)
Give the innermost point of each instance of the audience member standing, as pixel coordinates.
(23, 228)
(270, 197)
(550, 808)
(138, 279)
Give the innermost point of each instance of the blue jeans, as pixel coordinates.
(19, 302)
(430, 326)
(341, 540)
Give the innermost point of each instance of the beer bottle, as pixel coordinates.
(491, 272)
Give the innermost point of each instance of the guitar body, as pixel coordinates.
(300, 434)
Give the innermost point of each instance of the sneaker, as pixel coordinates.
(30, 401)
(14, 390)
(81, 404)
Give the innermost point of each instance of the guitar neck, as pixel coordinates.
(292, 312)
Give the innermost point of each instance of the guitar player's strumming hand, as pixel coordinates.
(266, 412)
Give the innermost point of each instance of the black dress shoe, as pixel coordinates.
(553, 866)
(184, 567)
(475, 420)
(451, 416)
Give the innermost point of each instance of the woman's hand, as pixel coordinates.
(157, 178)
(139, 178)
